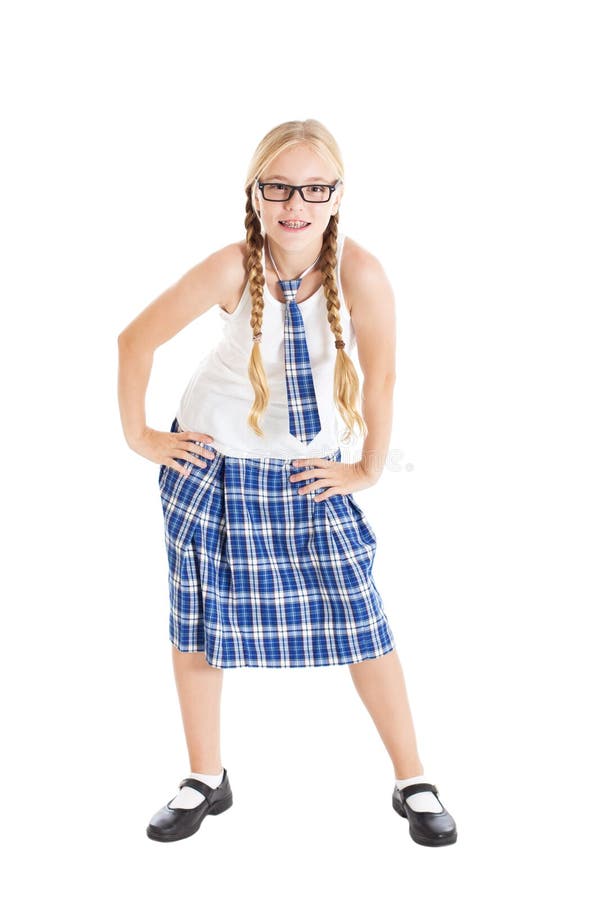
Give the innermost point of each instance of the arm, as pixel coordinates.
(210, 282)
(370, 299)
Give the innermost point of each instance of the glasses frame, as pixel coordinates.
(296, 187)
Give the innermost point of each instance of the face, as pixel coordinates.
(297, 165)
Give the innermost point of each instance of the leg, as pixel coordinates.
(380, 685)
(199, 687)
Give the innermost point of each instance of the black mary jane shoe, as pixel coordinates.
(433, 829)
(174, 824)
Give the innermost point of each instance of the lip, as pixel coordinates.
(287, 228)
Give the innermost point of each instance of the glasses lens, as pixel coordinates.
(276, 191)
(317, 193)
(314, 193)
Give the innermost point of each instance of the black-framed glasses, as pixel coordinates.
(315, 193)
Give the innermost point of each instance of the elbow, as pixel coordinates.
(381, 381)
(125, 338)
(131, 341)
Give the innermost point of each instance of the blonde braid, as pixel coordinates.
(256, 280)
(345, 378)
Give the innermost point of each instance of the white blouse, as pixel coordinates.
(218, 397)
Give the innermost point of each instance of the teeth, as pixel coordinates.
(295, 224)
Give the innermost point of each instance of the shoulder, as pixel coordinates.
(228, 265)
(362, 275)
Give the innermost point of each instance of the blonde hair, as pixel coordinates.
(345, 378)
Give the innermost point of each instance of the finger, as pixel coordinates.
(194, 459)
(197, 436)
(202, 451)
(313, 473)
(308, 462)
(185, 454)
(301, 476)
(325, 496)
(311, 488)
(177, 468)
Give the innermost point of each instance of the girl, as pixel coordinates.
(270, 556)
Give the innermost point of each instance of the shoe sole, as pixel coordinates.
(442, 841)
(213, 810)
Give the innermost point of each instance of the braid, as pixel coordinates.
(256, 280)
(345, 378)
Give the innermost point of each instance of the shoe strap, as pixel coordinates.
(417, 788)
(197, 785)
(201, 785)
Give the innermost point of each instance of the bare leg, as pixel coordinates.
(380, 685)
(199, 687)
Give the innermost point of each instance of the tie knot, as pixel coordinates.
(290, 287)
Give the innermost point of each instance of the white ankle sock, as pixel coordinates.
(188, 797)
(423, 801)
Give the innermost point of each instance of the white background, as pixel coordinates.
(469, 132)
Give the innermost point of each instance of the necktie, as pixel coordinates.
(303, 411)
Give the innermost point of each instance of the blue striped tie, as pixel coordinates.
(303, 411)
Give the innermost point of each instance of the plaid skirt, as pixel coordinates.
(262, 576)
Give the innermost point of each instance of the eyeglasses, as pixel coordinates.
(315, 193)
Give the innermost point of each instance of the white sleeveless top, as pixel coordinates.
(218, 397)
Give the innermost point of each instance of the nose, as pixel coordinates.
(292, 203)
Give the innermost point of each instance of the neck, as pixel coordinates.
(291, 263)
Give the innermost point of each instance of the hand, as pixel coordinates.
(164, 446)
(341, 478)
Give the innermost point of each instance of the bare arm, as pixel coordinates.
(371, 301)
(212, 281)
(135, 365)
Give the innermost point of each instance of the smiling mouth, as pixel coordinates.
(294, 223)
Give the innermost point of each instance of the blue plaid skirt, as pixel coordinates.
(262, 576)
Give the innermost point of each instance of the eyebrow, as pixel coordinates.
(282, 178)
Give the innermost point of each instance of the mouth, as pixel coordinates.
(293, 224)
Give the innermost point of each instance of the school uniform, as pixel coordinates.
(258, 574)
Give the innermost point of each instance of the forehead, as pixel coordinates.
(318, 179)
(298, 164)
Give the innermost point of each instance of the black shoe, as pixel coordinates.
(434, 829)
(174, 824)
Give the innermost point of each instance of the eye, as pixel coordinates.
(317, 188)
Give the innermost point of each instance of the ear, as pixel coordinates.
(338, 200)
(256, 204)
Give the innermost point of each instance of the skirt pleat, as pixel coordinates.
(262, 576)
